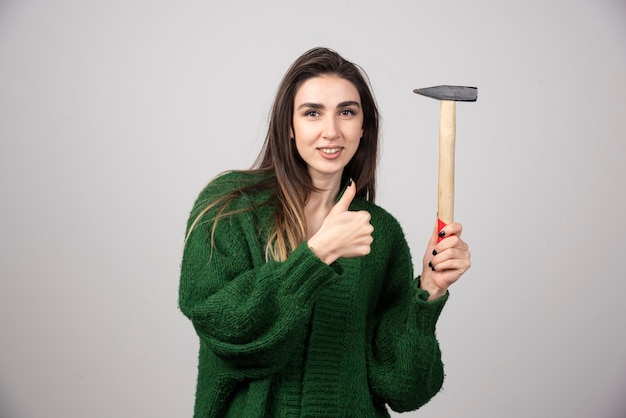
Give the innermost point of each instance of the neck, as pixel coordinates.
(320, 203)
(326, 196)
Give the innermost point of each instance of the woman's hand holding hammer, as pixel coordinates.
(444, 261)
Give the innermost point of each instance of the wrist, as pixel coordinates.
(320, 250)
(434, 295)
(434, 292)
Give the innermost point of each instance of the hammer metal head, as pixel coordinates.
(455, 93)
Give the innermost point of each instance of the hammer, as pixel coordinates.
(448, 95)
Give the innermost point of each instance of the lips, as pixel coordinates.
(330, 152)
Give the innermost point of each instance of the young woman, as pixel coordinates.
(300, 288)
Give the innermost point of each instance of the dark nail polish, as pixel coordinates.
(430, 264)
(350, 182)
(442, 234)
(433, 267)
(434, 252)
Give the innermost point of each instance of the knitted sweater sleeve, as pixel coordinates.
(250, 313)
(404, 360)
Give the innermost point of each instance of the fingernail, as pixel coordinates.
(350, 182)
(433, 267)
(442, 233)
(434, 252)
(430, 264)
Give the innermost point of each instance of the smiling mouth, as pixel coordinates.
(330, 150)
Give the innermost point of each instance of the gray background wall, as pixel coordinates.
(113, 116)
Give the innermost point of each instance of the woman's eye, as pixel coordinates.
(347, 112)
(312, 113)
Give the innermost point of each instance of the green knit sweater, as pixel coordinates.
(300, 338)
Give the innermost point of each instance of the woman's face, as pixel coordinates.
(327, 125)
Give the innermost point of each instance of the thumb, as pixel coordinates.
(348, 195)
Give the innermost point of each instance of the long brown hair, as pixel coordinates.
(292, 184)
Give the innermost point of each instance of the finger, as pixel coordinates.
(348, 195)
(453, 228)
(453, 241)
(460, 252)
(460, 265)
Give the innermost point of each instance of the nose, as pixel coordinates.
(330, 129)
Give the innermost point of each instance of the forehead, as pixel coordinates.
(327, 89)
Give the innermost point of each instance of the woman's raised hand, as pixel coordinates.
(445, 261)
(343, 233)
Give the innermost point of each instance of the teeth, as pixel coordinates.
(330, 150)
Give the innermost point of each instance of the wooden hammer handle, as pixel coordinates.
(447, 134)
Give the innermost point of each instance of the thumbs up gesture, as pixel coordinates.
(343, 233)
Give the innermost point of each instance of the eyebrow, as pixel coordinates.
(347, 103)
